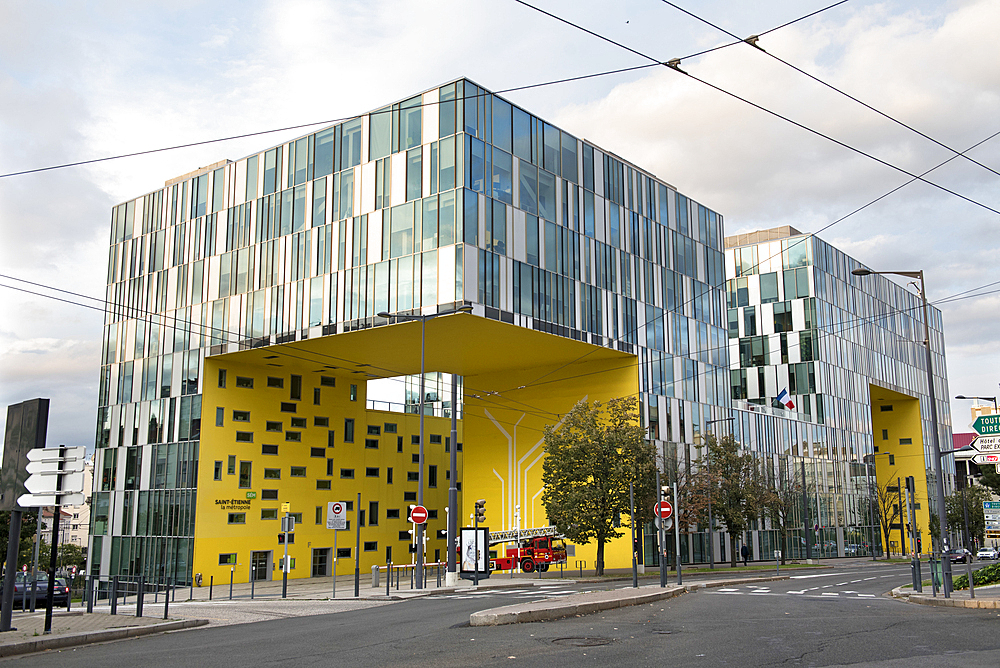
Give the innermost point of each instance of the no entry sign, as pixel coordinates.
(663, 510)
(418, 515)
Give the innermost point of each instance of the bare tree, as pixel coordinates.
(889, 511)
(781, 497)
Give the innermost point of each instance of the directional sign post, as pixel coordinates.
(983, 458)
(55, 477)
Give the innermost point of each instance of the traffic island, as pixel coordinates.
(987, 598)
(574, 604)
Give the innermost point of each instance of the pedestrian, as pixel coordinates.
(745, 553)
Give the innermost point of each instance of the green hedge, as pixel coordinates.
(984, 576)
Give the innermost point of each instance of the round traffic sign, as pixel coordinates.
(663, 509)
(337, 508)
(418, 515)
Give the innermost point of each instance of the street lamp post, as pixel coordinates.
(452, 498)
(871, 501)
(938, 473)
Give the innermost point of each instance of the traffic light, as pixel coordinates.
(911, 485)
(481, 510)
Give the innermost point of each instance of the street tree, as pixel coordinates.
(591, 457)
(738, 490)
(781, 499)
(956, 506)
(29, 523)
(888, 508)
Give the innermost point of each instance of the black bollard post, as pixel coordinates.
(114, 595)
(231, 584)
(211, 581)
(166, 599)
(139, 596)
(89, 580)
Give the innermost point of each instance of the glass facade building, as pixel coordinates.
(848, 352)
(284, 259)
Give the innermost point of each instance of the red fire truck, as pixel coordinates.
(532, 548)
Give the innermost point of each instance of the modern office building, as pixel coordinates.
(842, 357)
(246, 326)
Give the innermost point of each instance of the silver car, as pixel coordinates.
(986, 553)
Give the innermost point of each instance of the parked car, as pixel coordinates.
(959, 555)
(22, 591)
(986, 553)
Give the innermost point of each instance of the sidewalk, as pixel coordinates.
(79, 628)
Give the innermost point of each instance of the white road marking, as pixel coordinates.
(830, 593)
(728, 590)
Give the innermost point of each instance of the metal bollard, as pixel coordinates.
(561, 564)
(412, 575)
(114, 595)
(388, 577)
(211, 581)
(89, 594)
(375, 574)
(139, 596)
(166, 599)
(191, 593)
(253, 582)
(231, 584)
(156, 591)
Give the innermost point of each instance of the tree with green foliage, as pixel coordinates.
(990, 478)
(591, 456)
(974, 497)
(738, 489)
(69, 555)
(26, 550)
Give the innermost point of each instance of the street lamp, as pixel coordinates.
(452, 490)
(711, 538)
(993, 399)
(942, 514)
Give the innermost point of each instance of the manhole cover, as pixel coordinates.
(583, 642)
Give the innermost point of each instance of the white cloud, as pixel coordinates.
(91, 80)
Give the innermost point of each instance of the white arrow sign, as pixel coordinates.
(36, 500)
(53, 466)
(50, 483)
(49, 454)
(986, 459)
(986, 444)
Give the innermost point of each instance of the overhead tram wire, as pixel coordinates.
(830, 329)
(674, 64)
(753, 42)
(803, 239)
(300, 126)
(207, 330)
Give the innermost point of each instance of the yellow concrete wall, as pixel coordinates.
(504, 447)
(216, 499)
(889, 427)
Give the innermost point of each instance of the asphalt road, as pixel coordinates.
(832, 617)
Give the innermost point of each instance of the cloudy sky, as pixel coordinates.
(80, 81)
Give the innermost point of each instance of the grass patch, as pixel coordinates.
(984, 576)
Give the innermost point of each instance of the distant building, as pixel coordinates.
(830, 367)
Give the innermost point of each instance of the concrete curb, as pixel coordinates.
(924, 599)
(76, 639)
(421, 593)
(566, 606)
(734, 581)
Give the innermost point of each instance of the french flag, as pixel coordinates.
(785, 400)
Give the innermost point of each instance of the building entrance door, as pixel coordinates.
(260, 565)
(321, 562)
